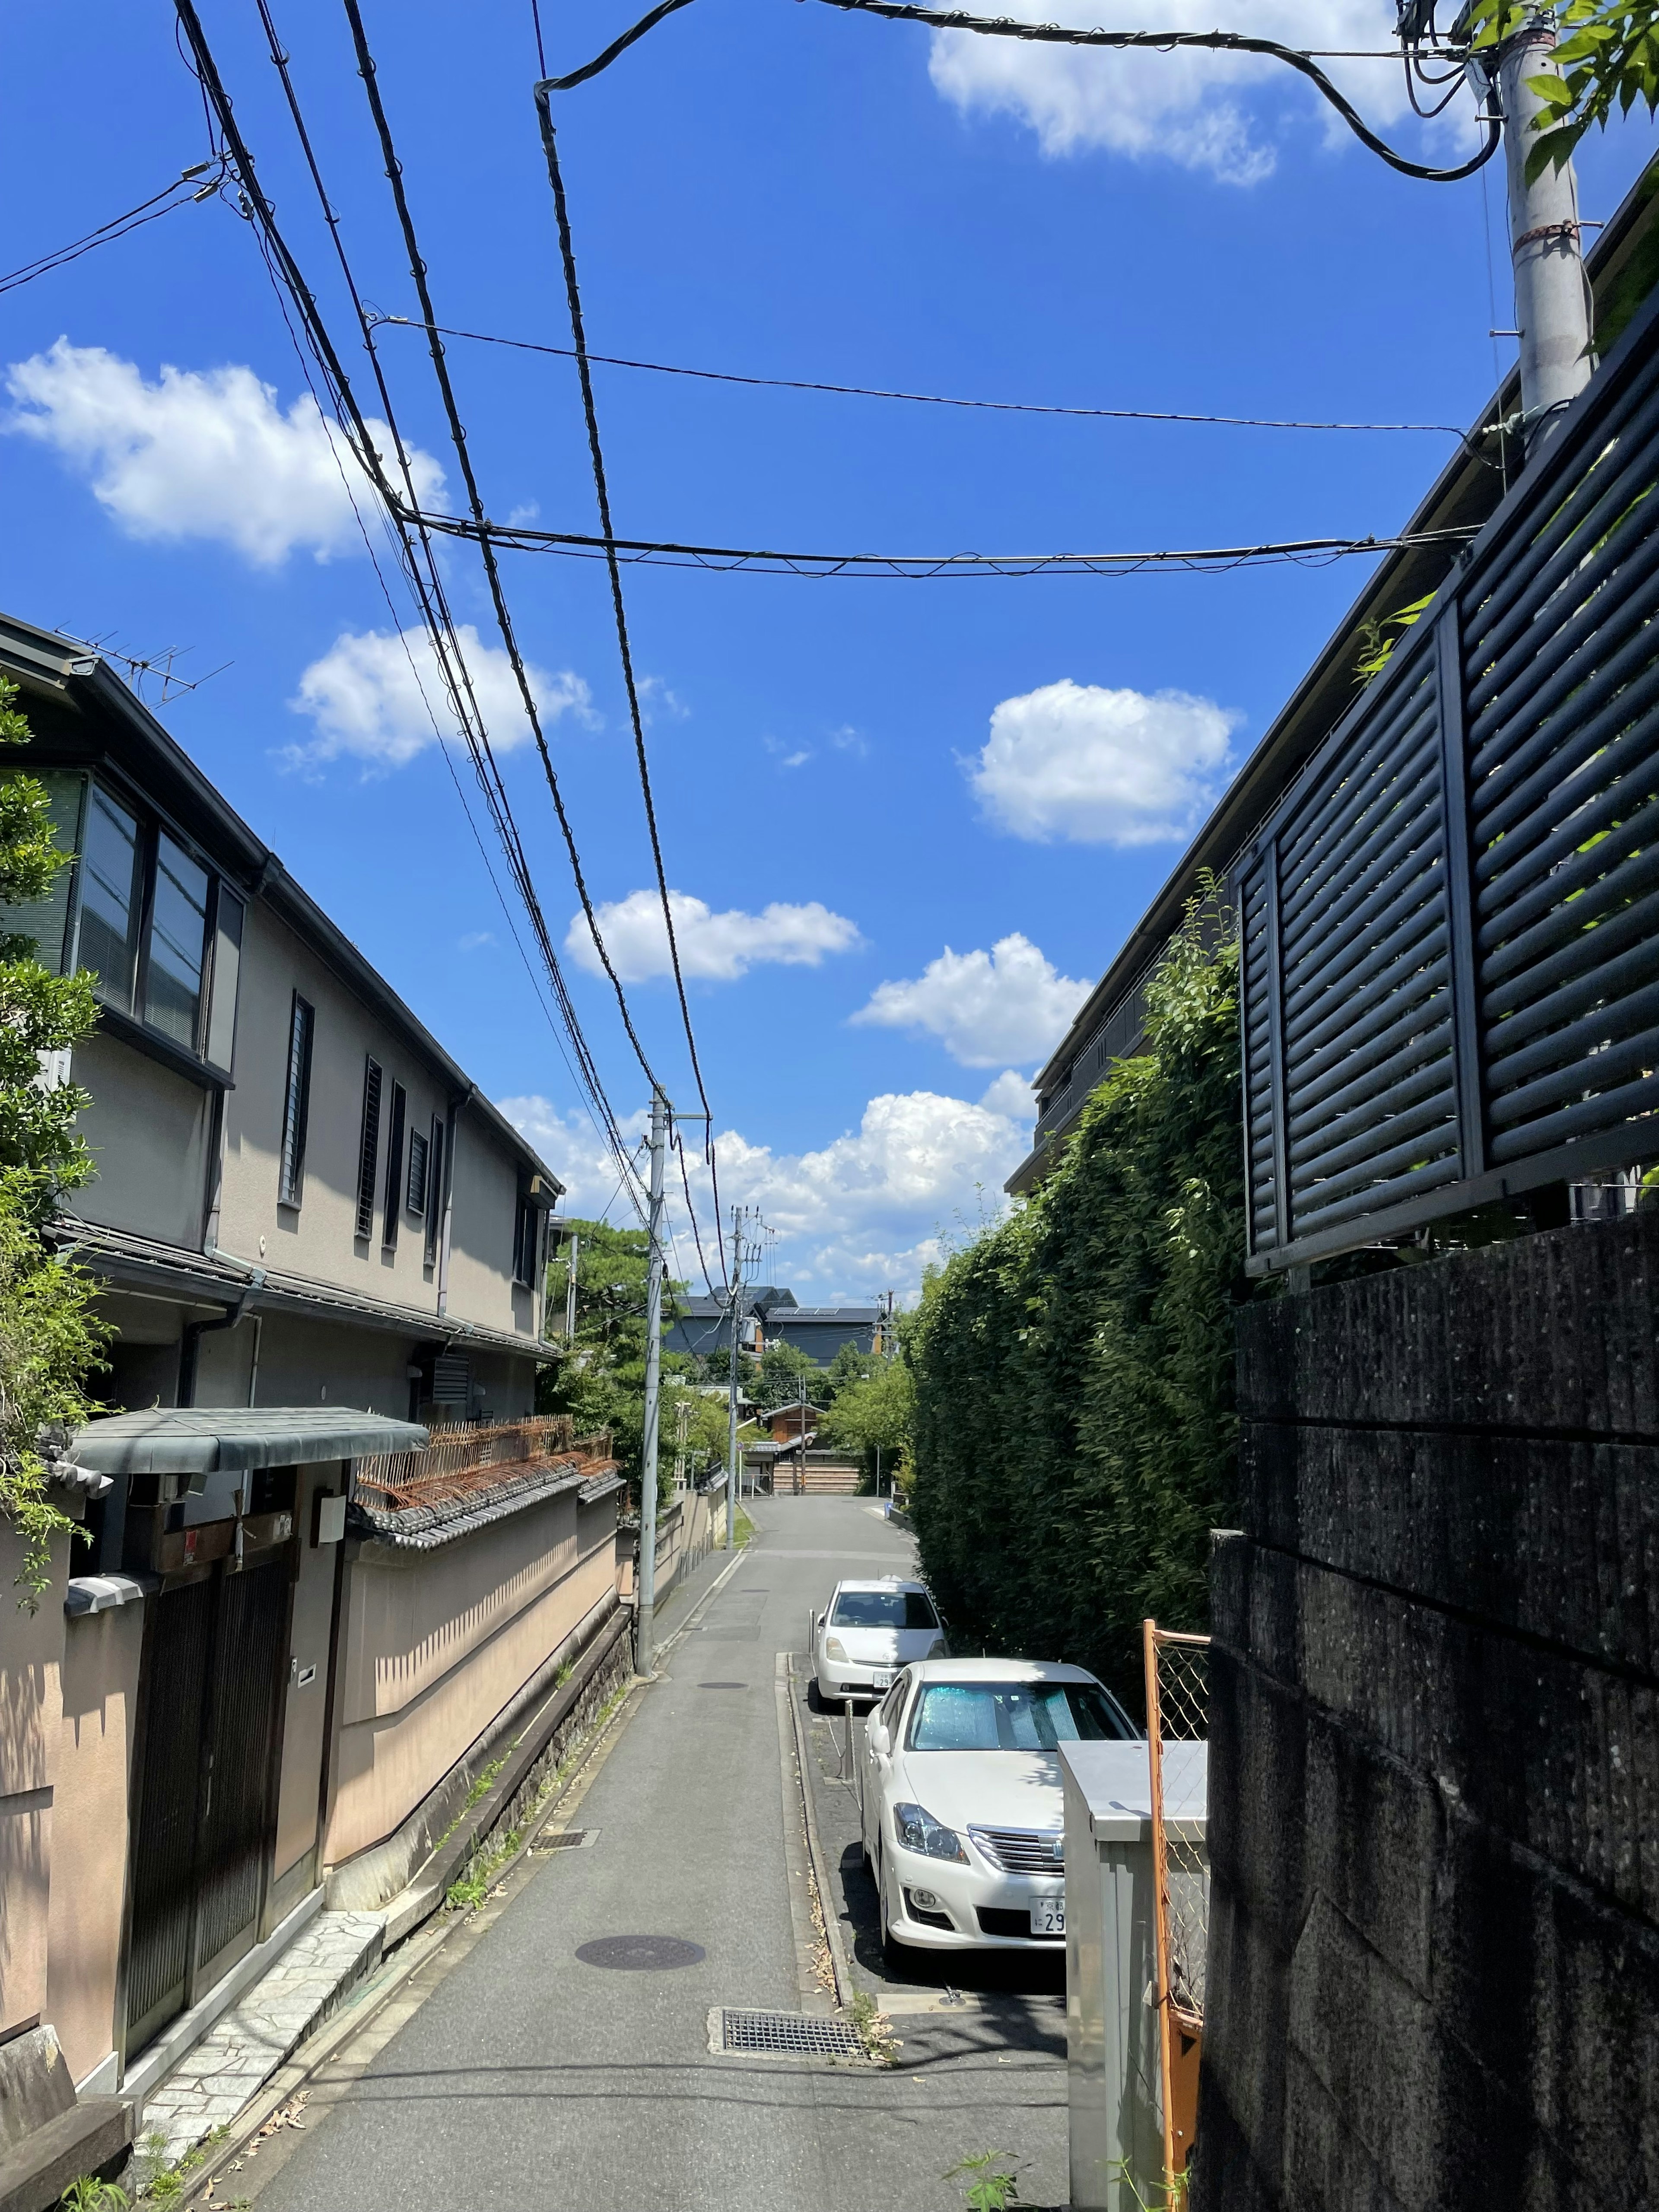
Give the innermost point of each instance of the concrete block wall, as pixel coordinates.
(1434, 1964)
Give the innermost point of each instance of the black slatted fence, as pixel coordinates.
(1450, 925)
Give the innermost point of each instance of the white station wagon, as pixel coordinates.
(963, 1805)
(867, 1632)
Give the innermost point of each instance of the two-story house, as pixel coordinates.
(300, 1197)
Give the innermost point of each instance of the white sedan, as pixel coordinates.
(867, 1632)
(963, 1812)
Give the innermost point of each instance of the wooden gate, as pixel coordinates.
(205, 1805)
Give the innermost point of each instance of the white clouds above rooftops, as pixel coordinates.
(866, 1212)
(201, 454)
(1090, 766)
(988, 1009)
(715, 948)
(1196, 109)
(377, 697)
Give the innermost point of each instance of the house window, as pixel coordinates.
(296, 1103)
(394, 1166)
(416, 1198)
(111, 897)
(368, 1148)
(227, 973)
(434, 1189)
(526, 1225)
(177, 952)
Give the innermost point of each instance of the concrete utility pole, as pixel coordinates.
(1552, 307)
(643, 1620)
(570, 1292)
(732, 1412)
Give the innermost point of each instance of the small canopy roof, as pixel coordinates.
(206, 1439)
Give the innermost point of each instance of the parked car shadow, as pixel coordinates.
(987, 1974)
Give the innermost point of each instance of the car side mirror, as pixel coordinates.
(819, 1622)
(876, 1733)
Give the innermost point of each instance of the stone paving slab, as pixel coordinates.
(231, 2064)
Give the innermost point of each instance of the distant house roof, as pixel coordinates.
(209, 1439)
(846, 1316)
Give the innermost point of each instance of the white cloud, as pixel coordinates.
(474, 938)
(1102, 768)
(985, 1008)
(657, 701)
(868, 1211)
(715, 948)
(369, 697)
(1186, 107)
(798, 758)
(201, 454)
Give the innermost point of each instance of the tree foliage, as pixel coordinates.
(783, 1368)
(601, 1382)
(1607, 55)
(50, 1339)
(1074, 1434)
(874, 1411)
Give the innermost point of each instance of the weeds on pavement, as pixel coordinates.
(874, 2030)
(992, 2187)
(88, 2194)
(476, 1880)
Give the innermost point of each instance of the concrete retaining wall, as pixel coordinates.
(1435, 1742)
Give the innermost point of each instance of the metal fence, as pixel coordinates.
(1450, 924)
(1177, 1730)
(469, 1457)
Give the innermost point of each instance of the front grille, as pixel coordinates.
(791, 2034)
(996, 1920)
(1022, 1851)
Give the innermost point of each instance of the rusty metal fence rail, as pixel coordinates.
(1177, 1730)
(469, 1457)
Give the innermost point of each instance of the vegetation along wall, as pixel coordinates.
(1074, 1431)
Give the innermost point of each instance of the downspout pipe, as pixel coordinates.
(190, 1343)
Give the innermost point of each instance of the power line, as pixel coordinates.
(1308, 552)
(1301, 59)
(428, 585)
(918, 398)
(120, 226)
(573, 293)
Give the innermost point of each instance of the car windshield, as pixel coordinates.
(884, 1609)
(1014, 1716)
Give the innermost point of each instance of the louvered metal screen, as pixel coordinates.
(1450, 926)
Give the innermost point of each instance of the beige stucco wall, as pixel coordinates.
(481, 1286)
(89, 1830)
(31, 1725)
(149, 1131)
(438, 1643)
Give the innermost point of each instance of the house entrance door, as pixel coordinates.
(202, 1827)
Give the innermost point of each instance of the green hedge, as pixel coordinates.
(1074, 1436)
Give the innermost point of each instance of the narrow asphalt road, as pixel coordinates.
(529, 2077)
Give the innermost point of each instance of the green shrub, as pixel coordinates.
(1074, 1434)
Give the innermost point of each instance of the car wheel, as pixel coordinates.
(896, 1956)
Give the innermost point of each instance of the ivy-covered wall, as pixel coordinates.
(1074, 1432)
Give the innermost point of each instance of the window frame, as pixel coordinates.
(296, 1103)
(526, 1240)
(394, 1167)
(418, 1212)
(368, 1148)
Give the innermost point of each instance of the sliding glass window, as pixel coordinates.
(111, 898)
(177, 944)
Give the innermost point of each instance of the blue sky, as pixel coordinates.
(853, 777)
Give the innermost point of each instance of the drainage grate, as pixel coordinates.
(788, 2034)
(570, 1839)
(722, 1686)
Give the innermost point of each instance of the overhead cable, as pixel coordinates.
(572, 294)
(260, 213)
(918, 399)
(120, 226)
(1313, 552)
(1060, 34)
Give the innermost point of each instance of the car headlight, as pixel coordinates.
(918, 1831)
(938, 1648)
(835, 1649)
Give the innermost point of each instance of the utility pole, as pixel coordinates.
(732, 1412)
(570, 1292)
(1551, 311)
(643, 1620)
(682, 1422)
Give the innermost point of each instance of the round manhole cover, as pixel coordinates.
(640, 1955)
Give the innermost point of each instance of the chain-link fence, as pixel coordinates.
(1177, 1730)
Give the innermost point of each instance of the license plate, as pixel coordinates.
(882, 1678)
(1047, 1916)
